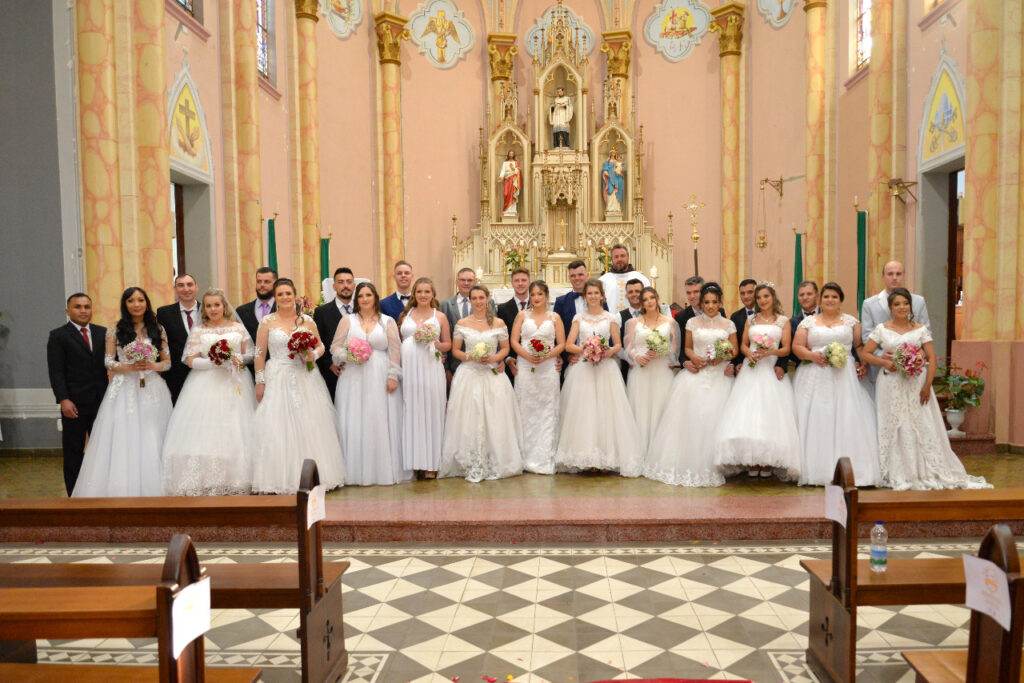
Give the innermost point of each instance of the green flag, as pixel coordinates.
(271, 245)
(798, 270)
(325, 257)
(862, 255)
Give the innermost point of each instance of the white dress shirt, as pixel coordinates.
(194, 312)
(342, 305)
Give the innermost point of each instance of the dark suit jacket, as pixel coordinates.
(247, 315)
(794, 323)
(169, 317)
(392, 306)
(508, 312)
(624, 317)
(739, 319)
(76, 373)
(327, 318)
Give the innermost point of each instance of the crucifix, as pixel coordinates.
(561, 225)
(693, 207)
(186, 111)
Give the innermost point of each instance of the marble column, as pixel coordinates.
(728, 23)
(814, 140)
(309, 145)
(241, 144)
(97, 153)
(391, 31)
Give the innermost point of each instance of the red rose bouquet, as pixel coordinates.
(299, 342)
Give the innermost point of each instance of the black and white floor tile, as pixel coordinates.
(554, 614)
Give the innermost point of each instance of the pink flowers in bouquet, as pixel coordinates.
(140, 350)
(595, 349)
(909, 360)
(426, 334)
(762, 342)
(357, 351)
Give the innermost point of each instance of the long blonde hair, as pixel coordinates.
(229, 311)
(487, 293)
(411, 303)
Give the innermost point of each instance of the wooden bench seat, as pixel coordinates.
(107, 673)
(921, 581)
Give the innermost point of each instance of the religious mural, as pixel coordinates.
(776, 12)
(190, 146)
(540, 33)
(440, 30)
(945, 127)
(343, 16)
(675, 26)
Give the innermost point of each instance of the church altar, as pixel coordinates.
(557, 187)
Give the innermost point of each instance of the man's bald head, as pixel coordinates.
(892, 275)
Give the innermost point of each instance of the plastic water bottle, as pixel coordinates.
(879, 553)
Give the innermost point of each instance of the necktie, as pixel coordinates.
(188, 318)
(636, 314)
(85, 336)
(750, 313)
(465, 308)
(348, 309)
(522, 305)
(263, 309)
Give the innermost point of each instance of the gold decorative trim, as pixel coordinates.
(728, 24)
(814, 4)
(502, 49)
(618, 56)
(391, 31)
(307, 9)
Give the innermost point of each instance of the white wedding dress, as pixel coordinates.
(760, 427)
(483, 437)
(123, 456)
(537, 395)
(835, 415)
(294, 421)
(680, 452)
(913, 446)
(648, 386)
(207, 447)
(369, 418)
(597, 429)
(423, 396)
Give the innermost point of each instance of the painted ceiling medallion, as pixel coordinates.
(776, 12)
(343, 16)
(440, 30)
(676, 26)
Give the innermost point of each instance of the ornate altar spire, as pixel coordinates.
(562, 40)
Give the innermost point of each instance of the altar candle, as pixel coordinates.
(654, 271)
(479, 273)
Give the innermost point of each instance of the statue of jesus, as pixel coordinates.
(560, 116)
(511, 177)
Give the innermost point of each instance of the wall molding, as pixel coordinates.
(26, 404)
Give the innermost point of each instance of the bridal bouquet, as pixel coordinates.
(140, 349)
(357, 351)
(595, 349)
(658, 343)
(721, 350)
(220, 352)
(302, 341)
(909, 360)
(481, 350)
(835, 354)
(426, 334)
(761, 342)
(539, 347)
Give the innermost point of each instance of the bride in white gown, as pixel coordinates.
(483, 437)
(597, 429)
(913, 446)
(650, 375)
(537, 380)
(680, 452)
(835, 415)
(759, 435)
(124, 451)
(295, 417)
(207, 448)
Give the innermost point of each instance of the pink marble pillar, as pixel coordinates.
(309, 146)
(814, 139)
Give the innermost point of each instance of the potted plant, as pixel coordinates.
(960, 388)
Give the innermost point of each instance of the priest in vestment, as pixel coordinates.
(614, 281)
(559, 117)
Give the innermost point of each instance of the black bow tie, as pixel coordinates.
(403, 297)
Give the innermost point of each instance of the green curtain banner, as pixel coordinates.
(862, 255)
(271, 245)
(798, 270)
(325, 257)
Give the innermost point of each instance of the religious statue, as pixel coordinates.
(511, 177)
(612, 183)
(444, 29)
(560, 116)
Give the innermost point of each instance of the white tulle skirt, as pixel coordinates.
(537, 396)
(648, 388)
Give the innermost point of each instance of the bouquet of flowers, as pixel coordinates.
(761, 342)
(302, 341)
(835, 354)
(220, 352)
(303, 306)
(658, 343)
(595, 349)
(481, 350)
(357, 351)
(909, 360)
(720, 350)
(426, 334)
(539, 347)
(140, 349)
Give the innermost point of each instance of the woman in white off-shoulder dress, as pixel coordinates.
(759, 435)
(123, 457)
(835, 415)
(369, 397)
(423, 380)
(680, 453)
(537, 379)
(913, 446)
(207, 449)
(295, 419)
(650, 375)
(483, 434)
(597, 430)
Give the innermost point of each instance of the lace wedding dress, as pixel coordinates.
(208, 443)
(913, 446)
(648, 386)
(423, 396)
(835, 415)
(537, 389)
(483, 434)
(680, 452)
(124, 451)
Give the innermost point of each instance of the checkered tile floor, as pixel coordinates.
(547, 613)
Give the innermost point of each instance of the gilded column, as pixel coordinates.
(617, 46)
(501, 50)
(391, 31)
(309, 144)
(97, 153)
(814, 140)
(728, 23)
(153, 224)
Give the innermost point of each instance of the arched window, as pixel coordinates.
(264, 38)
(862, 25)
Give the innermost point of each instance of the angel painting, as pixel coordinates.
(443, 28)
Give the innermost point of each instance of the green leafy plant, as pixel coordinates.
(962, 388)
(513, 260)
(604, 255)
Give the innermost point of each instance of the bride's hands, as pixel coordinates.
(818, 358)
(392, 385)
(259, 392)
(643, 359)
(926, 393)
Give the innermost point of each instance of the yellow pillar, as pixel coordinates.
(814, 140)
(391, 31)
(309, 146)
(97, 154)
(728, 23)
(241, 156)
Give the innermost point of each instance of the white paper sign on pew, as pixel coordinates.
(835, 504)
(190, 614)
(316, 506)
(988, 591)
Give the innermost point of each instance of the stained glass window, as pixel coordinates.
(263, 21)
(863, 24)
(187, 5)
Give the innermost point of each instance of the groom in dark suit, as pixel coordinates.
(178, 319)
(252, 313)
(634, 288)
(327, 318)
(692, 286)
(508, 311)
(74, 358)
(741, 317)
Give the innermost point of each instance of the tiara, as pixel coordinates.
(767, 283)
